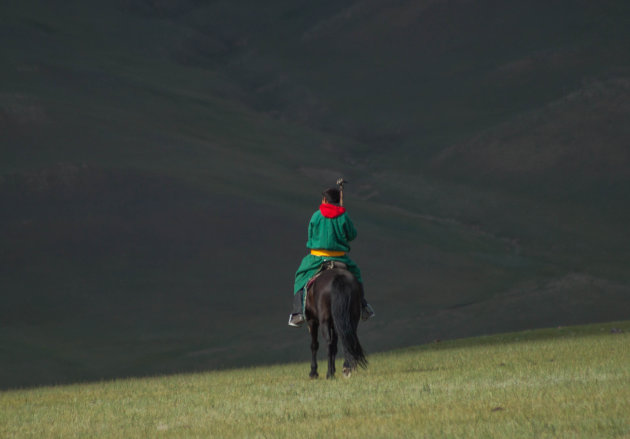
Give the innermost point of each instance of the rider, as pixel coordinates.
(329, 233)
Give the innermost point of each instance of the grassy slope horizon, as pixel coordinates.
(150, 149)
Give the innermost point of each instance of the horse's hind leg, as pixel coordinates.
(331, 337)
(332, 349)
(313, 328)
(347, 369)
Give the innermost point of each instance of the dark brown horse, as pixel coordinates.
(333, 303)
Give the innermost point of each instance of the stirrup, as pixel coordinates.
(367, 312)
(296, 320)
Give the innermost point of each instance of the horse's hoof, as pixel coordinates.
(347, 372)
(313, 375)
(330, 377)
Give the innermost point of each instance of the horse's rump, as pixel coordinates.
(327, 265)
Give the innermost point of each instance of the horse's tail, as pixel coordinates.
(345, 325)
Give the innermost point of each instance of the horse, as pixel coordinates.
(333, 303)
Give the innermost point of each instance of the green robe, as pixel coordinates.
(325, 233)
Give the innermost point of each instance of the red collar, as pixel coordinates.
(331, 211)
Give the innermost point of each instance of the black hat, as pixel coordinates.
(332, 195)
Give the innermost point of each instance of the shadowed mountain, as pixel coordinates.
(159, 161)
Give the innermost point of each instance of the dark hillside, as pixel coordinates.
(159, 161)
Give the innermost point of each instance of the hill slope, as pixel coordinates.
(559, 382)
(159, 161)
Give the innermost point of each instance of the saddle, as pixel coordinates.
(329, 265)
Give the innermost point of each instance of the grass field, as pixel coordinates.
(560, 382)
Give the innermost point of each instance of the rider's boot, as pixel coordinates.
(297, 318)
(367, 312)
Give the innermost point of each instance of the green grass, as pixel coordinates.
(560, 382)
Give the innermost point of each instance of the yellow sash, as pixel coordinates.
(329, 253)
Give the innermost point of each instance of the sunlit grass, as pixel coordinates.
(564, 382)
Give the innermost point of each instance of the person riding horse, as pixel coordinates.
(329, 232)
